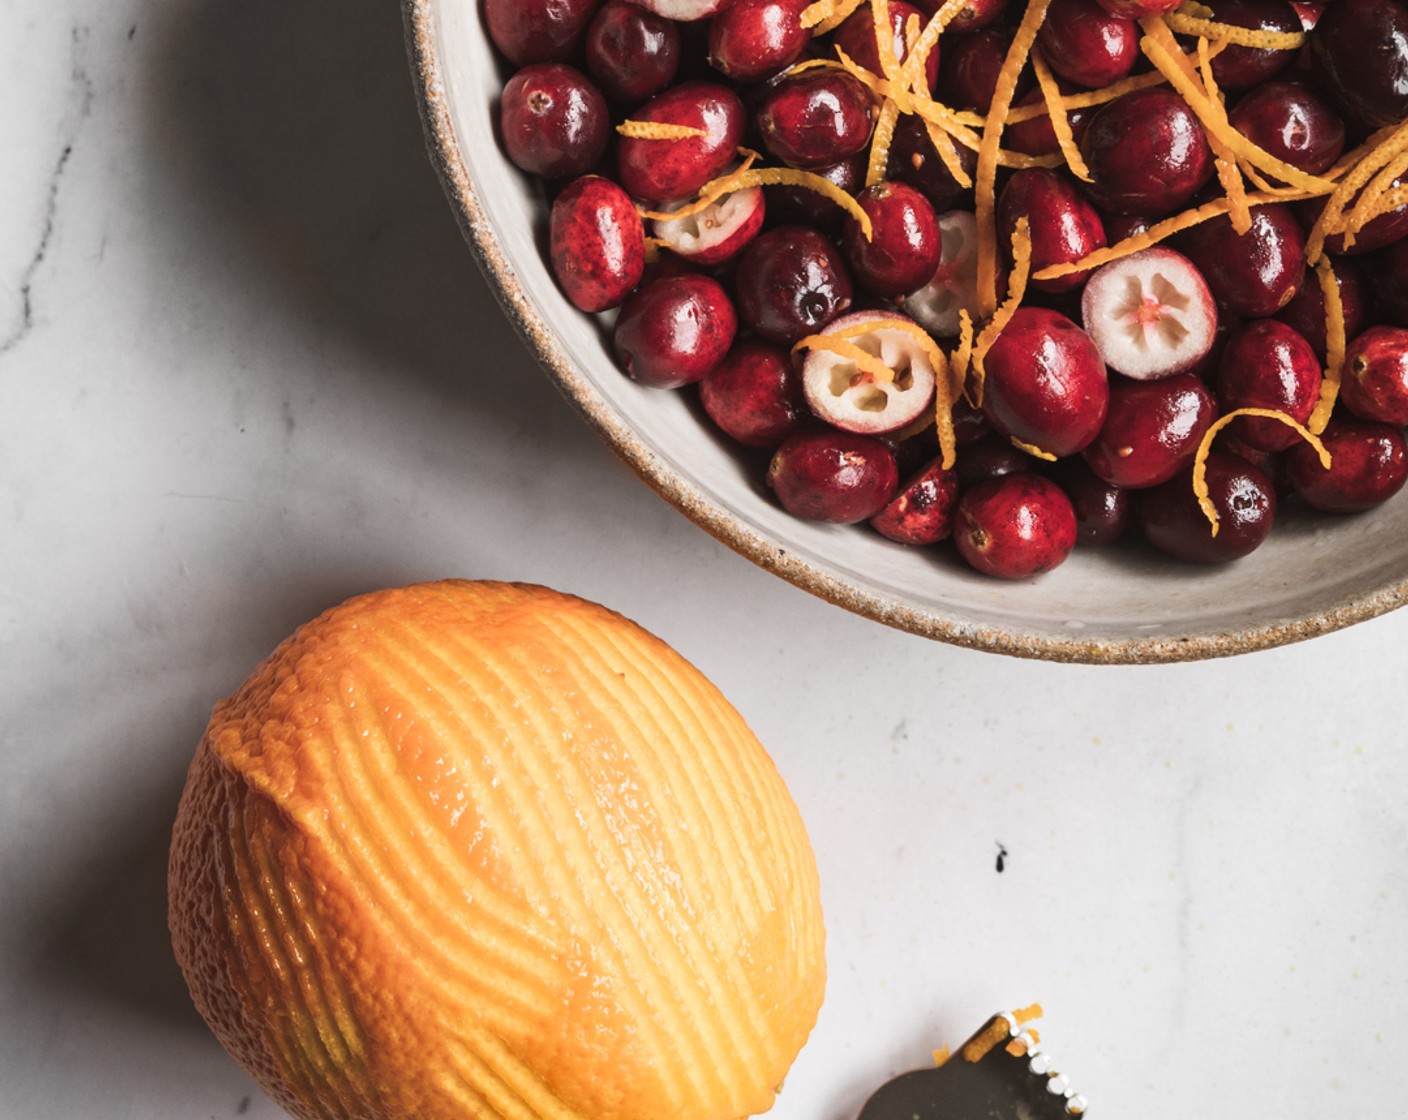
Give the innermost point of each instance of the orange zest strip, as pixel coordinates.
(790, 177)
(1016, 289)
(1200, 462)
(963, 353)
(885, 41)
(1229, 173)
(811, 64)
(1186, 24)
(943, 144)
(1334, 346)
(865, 361)
(922, 47)
(710, 193)
(1370, 203)
(1370, 161)
(844, 9)
(880, 143)
(1033, 450)
(1060, 122)
(658, 130)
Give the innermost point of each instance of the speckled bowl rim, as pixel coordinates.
(718, 522)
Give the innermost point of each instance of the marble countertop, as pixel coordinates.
(247, 369)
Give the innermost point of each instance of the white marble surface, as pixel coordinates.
(247, 369)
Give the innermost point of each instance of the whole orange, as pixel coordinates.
(485, 850)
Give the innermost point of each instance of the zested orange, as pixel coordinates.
(486, 850)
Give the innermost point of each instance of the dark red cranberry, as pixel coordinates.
(1139, 9)
(914, 160)
(969, 424)
(755, 394)
(669, 170)
(1388, 273)
(816, 118)
(1046, 383)
(1359, 51)
(1120, 226)
(903, 249)
(754, 39)
(1104, 513)
(1368, 466)
(991, 456)
(597, 243)
(674, 330)
(1374, 383)
(554, 122)
(1293, 123)
(1147, 153)
(528, 31)
(973, 16)
(800, 206)
(1268, 365)
(968, 75)
(1084, 43)
(1387, 228)
(1152, 430)
(1035, 136)
(856, 37)
(1015, 527)
(1243, 67)
(791, 282)
(632, 54)
(829, 475)
(1062, 224)
(1306, 310)
(1245, 500)
(922, 512)
(1255, 273)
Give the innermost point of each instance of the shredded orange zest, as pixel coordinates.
(943, 144)
(880, 143)
(790, 177)
(885, 40)
(977, 1047)
(1380, 150)
(1229, 33)
(941, 1055)
(658, 130)
(827, 12)
(1200, 462)
(844, 10)
(865, 361)
(1371, 201)
(1060, 122)
(1229, 173)
(1016, 289)
(920, 50)
(1033, 450)
(1334, 346)
(710, 193)
(811, 64)
(963, 352)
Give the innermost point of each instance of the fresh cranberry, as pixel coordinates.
(674, 330)
(1152, 430)
(1120, 226)
(1306, 310)
(1046, 383)
(1389, 227)
(1084, 43)
(903, 250)
(1150, 313)
(953, 288)
(973, 16)
(1293, 123)
(969, 424)
(1245, 501)
(755, 394)
(915, 160)
(991, 456)
(1035, 136)
(1063, 226)
(968, 75)
(597, 243)
(922, 512)
(1147, 153)
(1251, 274)
(1368, 466)
(856, 37)
(528, 31)
(554, 122)
(754, 39)
(1139, 9)
(1375, 376)
(1359, 51)
(1243, 67)
(1015, 527)
(829, 475)
(791, 282)
(669, 170)
(1388, 272)
(1104, 513)
(717, 233)
(1268, 365)
(815, 118)
(801, 206)
(632, 54)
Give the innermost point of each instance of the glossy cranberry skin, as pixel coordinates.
(753, 39)
(903, 250)
(969, 424)
(1268, 365)
(1386, 229)
(788, 205)
(829, 475)
(1085, 44)
(1015, 527)
(1147, 154)
(1359, 54)
(1104, 513)
(674, 330)
(968, 75)
(632, 54)
(1388, 271)
(528, 31)
(1152, 430)
(755, 394)
(1035, 136)
(1374, 382)
(1306, 310)
(817, 118)
(1368, 466)
(1251, 274)
(914, 160)
(596, 243)
(1243, 496)
(856, 37)
(992, 456)
(1138, 9)
(669, 170)
(1062, 224)
(922, 512)
(1046, 383)
(973, 16)
(1293, 123)
(790, 283)
(1243, 67)
(554, 122)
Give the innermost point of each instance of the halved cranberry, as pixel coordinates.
(1147, 153)
(674, 330)
(1359, 50)
(755, 394)
(1293, 123)
(597, 243)
(1150, 313)
(815, 118)
(669, 170)
(1062, 224)
(754, 39)
(954, 285)
(800, 206)
(1268, 365)
(1240, 67)
(830, 475)
(791, 282)
(1152, 430)
(904, 247)
(529, 31)
(1083, 42)
(1375, 377)
(1368, 466)
(683, 11)
(554, 122)
(1016, 526)
(1245, 500)
(922, 512)
(719, 231)
(632, 54)
(1306, 310)
(856, 37)
(1104, 513)
(914, 160)
(1035, 136)
(968, 75)
(853, 399)
(1255, 273)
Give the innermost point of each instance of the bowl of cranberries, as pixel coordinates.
(1073, 329)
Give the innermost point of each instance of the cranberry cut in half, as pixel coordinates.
(815, 118)
(1152, 430)
(527, 31)
(1293, 123)
(922, 512)
(596, 243)
(1084, 43)
(755, 394)
(554, 122)
(1245, 501)
(682, 11)
(753, 39)
(954, 285)
(670, 170)
(790, 283)
(1015, 527)
(1359, 53)
(1150, 313)
(904, 246)
(1062, 224)
(830, 475)
(674, 330)
(716, 233)
(1104, 513)
(1239, 67)
(1252, 274)
(856, 37)
(1147, 154)
(1268, 365)
(1368, 466)
(631, 54)
(855, 400)
(1374, 383)
(1306, 310)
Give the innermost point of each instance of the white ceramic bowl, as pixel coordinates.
(1315, 574)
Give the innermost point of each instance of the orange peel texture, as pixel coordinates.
(485, 850)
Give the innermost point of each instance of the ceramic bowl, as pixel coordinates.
(1315, 574)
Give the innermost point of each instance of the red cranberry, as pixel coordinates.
(1063, 226)
(973, 16)
(1104, 513)
(754, 39)
(1388, 271)
(816, 118)
(789, 205)
(674, 330)
(856, 37)
(1306, 310)
(791, 283)
(1268, 365)
(991, 456)
(1147, 153)
(1375, 377)
(830, 475)
(1035, 136)
(718, 232)
(1359, 51)
(597, 243)
(632, 54)
(1120, 226)
(914, 160)
(903, 249)
(1368, 466)
(1255, 273)
(529, 31)
(922, 512)
(668, 170)
(1243, 67)
(970, 68)
(1152, 431)
(554, 122)
(1243, 496)
(1046, 383)
(1083, 42)
(1015, 527)
(969, 424)
(1293, 123)
(755, 394)
(1387, 228)
(1139, 9)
